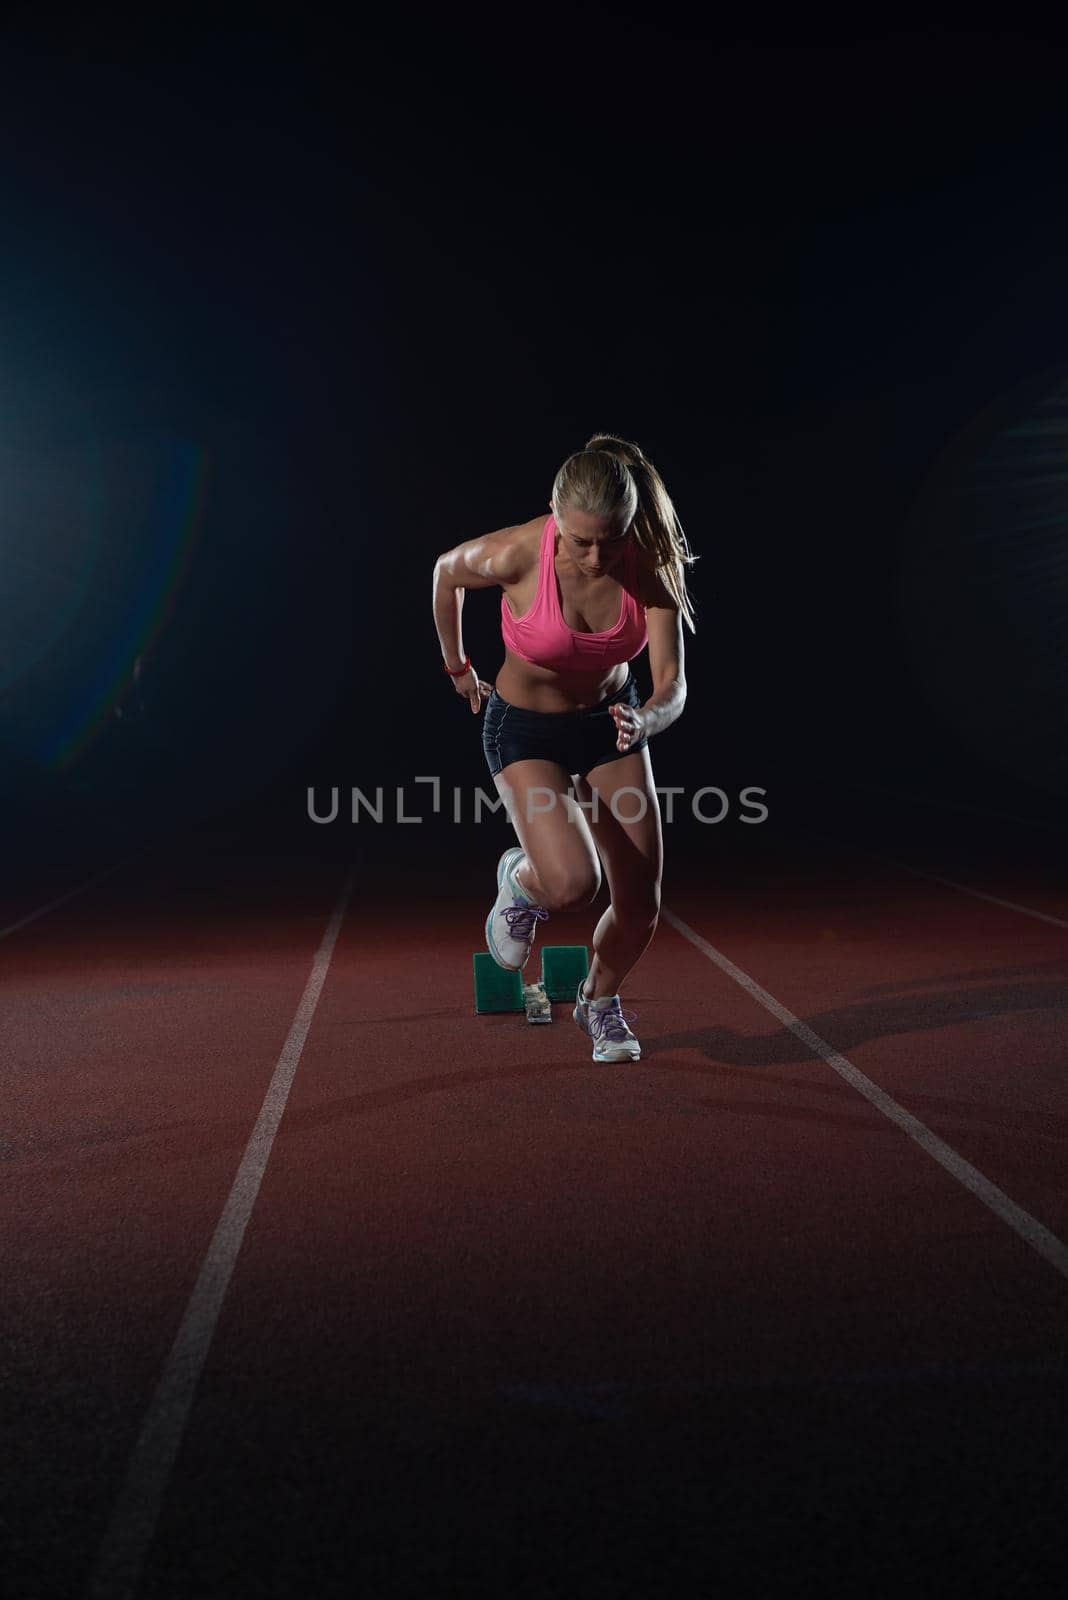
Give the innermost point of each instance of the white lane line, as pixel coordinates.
(62, 899)
(1029, 1229)
(979, 894)
(136, 1512)
(950, 883)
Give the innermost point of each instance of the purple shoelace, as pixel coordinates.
(521, 919)
(610, 1022)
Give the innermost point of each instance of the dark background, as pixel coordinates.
(382, 284)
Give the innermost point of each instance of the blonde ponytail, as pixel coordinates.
(610, 477)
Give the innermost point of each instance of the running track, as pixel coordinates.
(317, 1284)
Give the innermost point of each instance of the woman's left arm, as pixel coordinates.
(666, 662)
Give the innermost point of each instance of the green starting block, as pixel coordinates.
(495, 989)
(563, 967)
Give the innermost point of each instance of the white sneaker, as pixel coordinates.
(513, 922)
(606, 1023)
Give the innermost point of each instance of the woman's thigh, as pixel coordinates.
(552, 830)
(623, 812)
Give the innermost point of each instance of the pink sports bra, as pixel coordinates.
(542, 637)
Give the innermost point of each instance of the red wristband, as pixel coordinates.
(460, 672)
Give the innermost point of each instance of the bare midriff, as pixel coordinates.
(521, 683)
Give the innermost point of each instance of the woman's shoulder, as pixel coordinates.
(652, 590)
(532, 531)
(524, 545)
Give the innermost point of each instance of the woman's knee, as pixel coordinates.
(570, 886)
(639, 903)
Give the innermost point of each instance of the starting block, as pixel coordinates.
(563, 967)
(536, 1003)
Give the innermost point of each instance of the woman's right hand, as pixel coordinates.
(473, 688)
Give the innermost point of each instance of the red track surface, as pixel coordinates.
(507, 1322)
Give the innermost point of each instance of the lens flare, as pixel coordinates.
(172, 532)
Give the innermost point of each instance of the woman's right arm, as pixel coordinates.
(482, 563)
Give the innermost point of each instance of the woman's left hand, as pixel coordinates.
(630, 725)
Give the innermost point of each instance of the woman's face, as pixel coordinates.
(594, 544)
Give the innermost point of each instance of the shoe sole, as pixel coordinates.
(490, 946)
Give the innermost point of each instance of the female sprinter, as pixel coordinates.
(583, 592)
